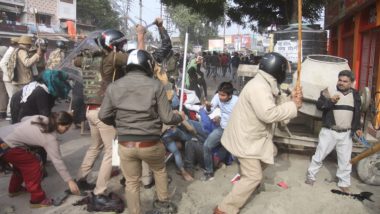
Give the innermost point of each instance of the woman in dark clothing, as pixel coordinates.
(38, 97)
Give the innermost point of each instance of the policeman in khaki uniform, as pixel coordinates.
(99, 69)
(56, 56)
(137, 104)
(249, 135)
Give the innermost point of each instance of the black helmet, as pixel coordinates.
(142, 60)
(274, 64)
(110, 39)
(60, 44)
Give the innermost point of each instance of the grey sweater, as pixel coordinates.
(25, 134)
(137, 106)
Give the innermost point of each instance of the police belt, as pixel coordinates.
(138, 144)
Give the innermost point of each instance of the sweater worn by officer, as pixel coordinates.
(141, 105)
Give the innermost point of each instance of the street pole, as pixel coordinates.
(224, 34)
(298, 83)
(140, 12)
(183, 73)
(161, 9)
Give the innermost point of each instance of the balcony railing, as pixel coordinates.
(15, 2)
(13, 28)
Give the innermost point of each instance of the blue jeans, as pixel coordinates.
(170, 137)
(211, 142)
(201, 133)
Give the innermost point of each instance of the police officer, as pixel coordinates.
(99, 69)
(248, 135)
(137, 104)
(56, 56)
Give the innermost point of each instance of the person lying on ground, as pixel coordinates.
(15, 142)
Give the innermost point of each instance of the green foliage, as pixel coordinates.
(99, 12)
(199, 27)
(279, 12)
(212, 9)
(244, 12)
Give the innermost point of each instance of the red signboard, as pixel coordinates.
(245, 41)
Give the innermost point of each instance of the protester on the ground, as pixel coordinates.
(9, 86)
(137, 105)
(35, 131)
(101, 67)
(225, 100)
(171, 138)
(56, 56)
(194, 147)
(341, 120)
(3, 90)
(248, 135)
(23, 73)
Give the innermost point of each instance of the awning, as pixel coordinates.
(14, 9)
(4, 34)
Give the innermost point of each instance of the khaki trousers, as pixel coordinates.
(251, 176)
(131, 166)
(101, 137)
(146, 177)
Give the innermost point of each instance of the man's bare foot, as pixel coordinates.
(345, 189)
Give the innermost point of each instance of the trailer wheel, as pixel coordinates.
(369, 170)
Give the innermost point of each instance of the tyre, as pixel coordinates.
(369, 170)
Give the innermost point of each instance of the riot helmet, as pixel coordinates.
(41, 43)
(276, 65)
(142, 60)
(61, 44)
(110, 39)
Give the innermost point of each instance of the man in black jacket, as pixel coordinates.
(341, 119)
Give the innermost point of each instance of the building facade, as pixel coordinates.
(355, 35)
(56, 17)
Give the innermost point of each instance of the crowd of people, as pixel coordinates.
(134, 96)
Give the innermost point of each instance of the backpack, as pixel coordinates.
(11, 66)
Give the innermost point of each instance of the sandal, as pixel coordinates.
(47, 202)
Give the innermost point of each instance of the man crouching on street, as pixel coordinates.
(137, 106)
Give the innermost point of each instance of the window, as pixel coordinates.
(43, 19)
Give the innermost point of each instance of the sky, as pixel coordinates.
(151, 10)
